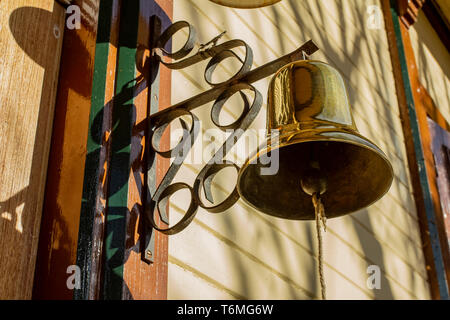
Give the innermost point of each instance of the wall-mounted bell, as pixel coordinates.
(319, 149)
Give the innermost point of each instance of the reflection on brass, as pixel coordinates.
(318, 145)
(245, 4)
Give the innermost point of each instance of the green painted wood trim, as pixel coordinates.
(123, 119)
(92, 166)
(429, 208)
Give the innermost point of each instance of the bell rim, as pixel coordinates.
(280, 145)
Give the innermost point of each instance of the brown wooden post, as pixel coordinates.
(62, 204)
(31, 37)
(408, 11)
(425, 136)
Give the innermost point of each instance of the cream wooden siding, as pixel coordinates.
(433, 62)
(243, 253)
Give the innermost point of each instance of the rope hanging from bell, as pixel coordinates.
(318, 142)
(313, 182)
(321, 221)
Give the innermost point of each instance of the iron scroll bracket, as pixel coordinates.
(157, 197)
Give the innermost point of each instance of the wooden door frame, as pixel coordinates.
(105, 249)
(415, 104)
(58, 235)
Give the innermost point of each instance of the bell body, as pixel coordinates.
(311, 129)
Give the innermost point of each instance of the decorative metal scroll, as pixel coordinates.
(220, 93)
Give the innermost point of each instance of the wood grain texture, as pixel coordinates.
(62, 204)
(98, 228)
(30, 46)
(95, 185)
(122, 150)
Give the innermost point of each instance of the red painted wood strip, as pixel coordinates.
(61, 211)
(142, 280)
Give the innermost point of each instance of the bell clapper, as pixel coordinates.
(314, 184)
(312, 180)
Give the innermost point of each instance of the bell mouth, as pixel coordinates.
(356, 171)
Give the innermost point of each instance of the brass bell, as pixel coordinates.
(311, 129)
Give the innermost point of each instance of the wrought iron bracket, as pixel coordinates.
(219, 93)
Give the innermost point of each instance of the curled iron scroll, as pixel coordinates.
(217, 52)
(219, 93)
(170, 32)
(217, 163)
(205, 176)
(227, 52)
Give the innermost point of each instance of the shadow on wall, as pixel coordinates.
(346, 56)
(351, 59)
(124, 111)
(112, 161)
(21, 22)
(36, 31)
(371, 245)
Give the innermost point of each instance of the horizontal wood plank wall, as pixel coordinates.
(62, 204)
(242, 253)
(31, 37)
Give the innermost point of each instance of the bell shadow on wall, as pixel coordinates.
(61, 206)
(24, 24)
(38, 33)
(57, 222)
